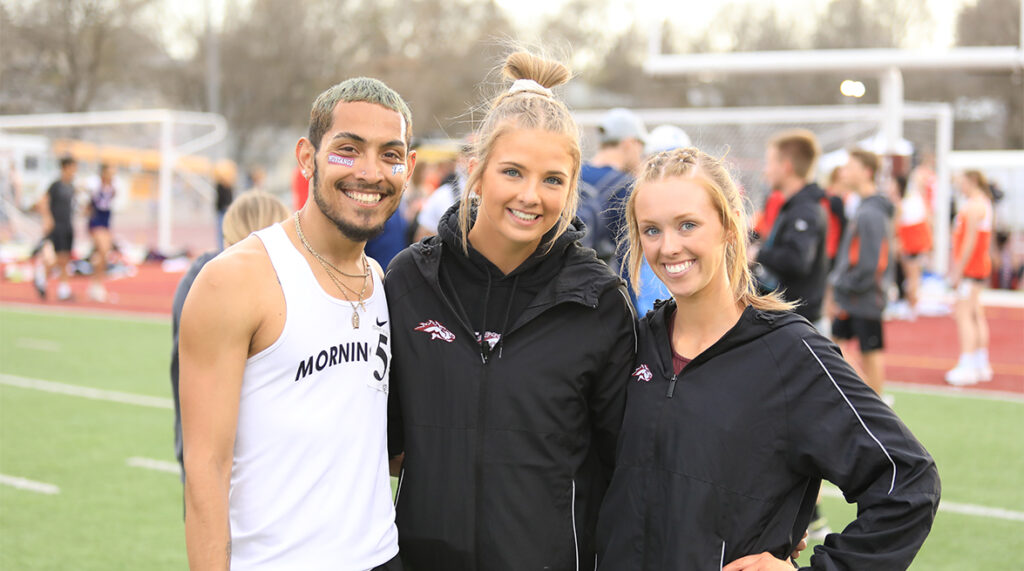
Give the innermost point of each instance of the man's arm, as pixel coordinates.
(43, 208)
(217, 326)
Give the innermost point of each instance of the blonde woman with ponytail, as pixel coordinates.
(512, 346)
(737, 408)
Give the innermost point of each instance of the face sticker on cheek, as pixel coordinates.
(397, 169)
(340, 160)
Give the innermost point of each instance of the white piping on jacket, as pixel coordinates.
(575, 540)
(892, 485)
(398, 492)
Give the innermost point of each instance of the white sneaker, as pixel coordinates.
(961, 376)
(985, 373)
(39, 280)
(98, 293)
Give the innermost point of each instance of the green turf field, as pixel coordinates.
(111, 515)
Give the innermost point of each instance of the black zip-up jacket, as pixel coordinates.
(795, 254)
(725, 459)
(509, 441)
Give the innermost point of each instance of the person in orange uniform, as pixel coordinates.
(971, 267)
(914, 233)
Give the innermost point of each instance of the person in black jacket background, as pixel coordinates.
(737, 409)
(512, 344)
(793, 257)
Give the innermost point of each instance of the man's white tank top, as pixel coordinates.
(310, 487)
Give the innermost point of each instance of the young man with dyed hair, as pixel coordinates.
(285, 356)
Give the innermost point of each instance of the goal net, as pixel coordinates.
(164, 183)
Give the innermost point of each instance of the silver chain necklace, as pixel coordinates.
(327, 266)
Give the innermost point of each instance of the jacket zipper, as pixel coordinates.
(478, 468)
(671, 386)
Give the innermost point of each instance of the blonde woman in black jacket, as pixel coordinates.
(512, 344)
(737, 409)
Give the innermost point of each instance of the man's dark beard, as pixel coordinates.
(349, 231)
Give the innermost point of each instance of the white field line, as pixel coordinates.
(111, 313)
(37, 344)
(957, 392)
(86, 392)
(153, 464)
(30, 485)
(952, 507)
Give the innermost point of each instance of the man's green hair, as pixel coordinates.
(350, 91)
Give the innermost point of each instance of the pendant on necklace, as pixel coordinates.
(355, 319)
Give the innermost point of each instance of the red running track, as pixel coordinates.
(917, 352)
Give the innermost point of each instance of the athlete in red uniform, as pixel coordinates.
(972, 264)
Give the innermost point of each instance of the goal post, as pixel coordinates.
(170, 123)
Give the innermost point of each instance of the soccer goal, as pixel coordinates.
(165, 184)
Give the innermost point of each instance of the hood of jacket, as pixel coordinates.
(578, 275)
(559, 271)
(811, 192)
(751, 326)
(880, 203)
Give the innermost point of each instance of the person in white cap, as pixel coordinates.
(606, 179)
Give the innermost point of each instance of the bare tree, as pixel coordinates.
(991, 23)
(71, 54)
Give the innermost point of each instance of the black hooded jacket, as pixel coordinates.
(507, 394)
(795, 254)
(725, 459)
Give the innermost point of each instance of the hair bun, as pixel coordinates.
(547, 73)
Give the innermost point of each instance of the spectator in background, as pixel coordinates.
(606, 179)
(914, 236)
(257, 178)
(859, 280)
(444, 196)
(765, 218)
(836, 211)
(224, 175)
(101, 201)
(792, 258)
(390, 241)
(56, 208)
(251, 212)
(10, 199)
(300, 189)
(415, 197)
(970, 270)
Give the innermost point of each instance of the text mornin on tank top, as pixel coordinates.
(310, 487)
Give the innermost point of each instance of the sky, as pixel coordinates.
(685, 15)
